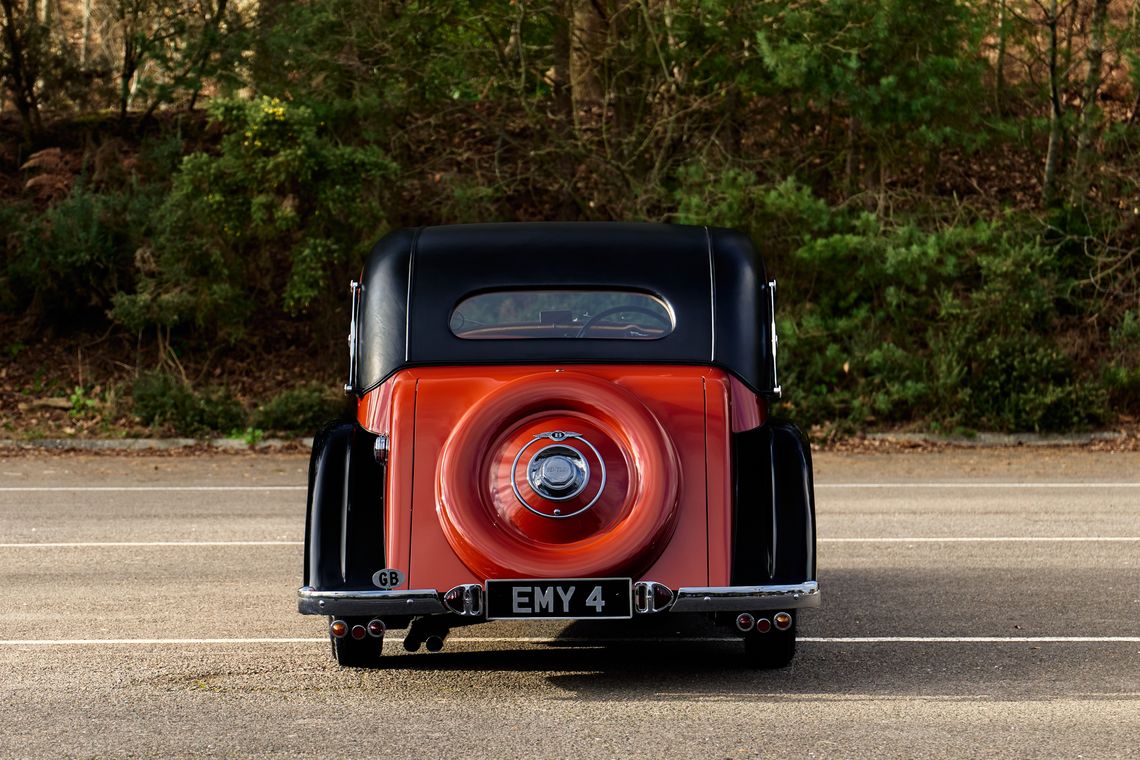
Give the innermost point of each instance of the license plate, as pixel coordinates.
(562, 599)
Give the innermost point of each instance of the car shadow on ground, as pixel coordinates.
(688, 657)
(655, 670)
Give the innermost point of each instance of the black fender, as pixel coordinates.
(773, 507)
(344, 524)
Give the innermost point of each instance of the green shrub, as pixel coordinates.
(955, 325)
(303, 409)
(265, 224)
(163, 400)
(70, 260)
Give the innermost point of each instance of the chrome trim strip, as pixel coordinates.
(310, 601)
(712, 295)
(776, 389)
(746, 598)
(356, 289)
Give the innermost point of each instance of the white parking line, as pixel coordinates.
(32, 489)
(595, 641)
(859, 540)
(976, 539)
(920, 484)
(102, 544)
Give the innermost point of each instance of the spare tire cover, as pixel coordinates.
(558, 475)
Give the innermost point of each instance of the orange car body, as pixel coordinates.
(695, 405)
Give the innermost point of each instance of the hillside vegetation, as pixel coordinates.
(948, 192)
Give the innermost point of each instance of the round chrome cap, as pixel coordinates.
(558, 472)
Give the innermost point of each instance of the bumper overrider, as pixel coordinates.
(468, 599)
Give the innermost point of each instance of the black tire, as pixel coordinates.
(357, 653)
(771, 650)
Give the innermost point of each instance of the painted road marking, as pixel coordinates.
(994, 485)
(978, 485)
(32, 489)
(859, 540)
(547, 640)
(975, 539)
(112, 544)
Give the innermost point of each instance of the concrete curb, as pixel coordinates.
(980, 440)
(152, 444)
(998, 440)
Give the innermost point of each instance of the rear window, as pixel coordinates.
(594, 314)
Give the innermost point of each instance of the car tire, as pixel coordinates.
(772, 650)
(357, 653)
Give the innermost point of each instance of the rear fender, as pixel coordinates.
(344, 535)
(773, 506)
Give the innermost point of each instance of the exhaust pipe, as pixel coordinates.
(425, 633)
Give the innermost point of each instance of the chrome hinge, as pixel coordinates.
(355, 288)
(776, 389)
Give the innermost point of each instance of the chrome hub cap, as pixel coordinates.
(559, 472)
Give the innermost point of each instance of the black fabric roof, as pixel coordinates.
(712, 278)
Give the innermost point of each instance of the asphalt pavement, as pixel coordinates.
(975, 603)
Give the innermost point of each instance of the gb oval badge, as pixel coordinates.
(387, 578)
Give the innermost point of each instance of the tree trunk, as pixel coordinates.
(1049, 185)
(1090, 110)
(560, 70)
(999, 66)
(268, 15)
(85, 44)
(588, 25)
(21, 78)
(851, 161)
(127, 73)
(209, 42)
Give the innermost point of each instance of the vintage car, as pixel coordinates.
(560, 421)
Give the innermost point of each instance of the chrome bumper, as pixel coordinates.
(746, 598)
(368, 602)
(687, 599)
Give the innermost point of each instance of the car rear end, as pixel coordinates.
(484, 479)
